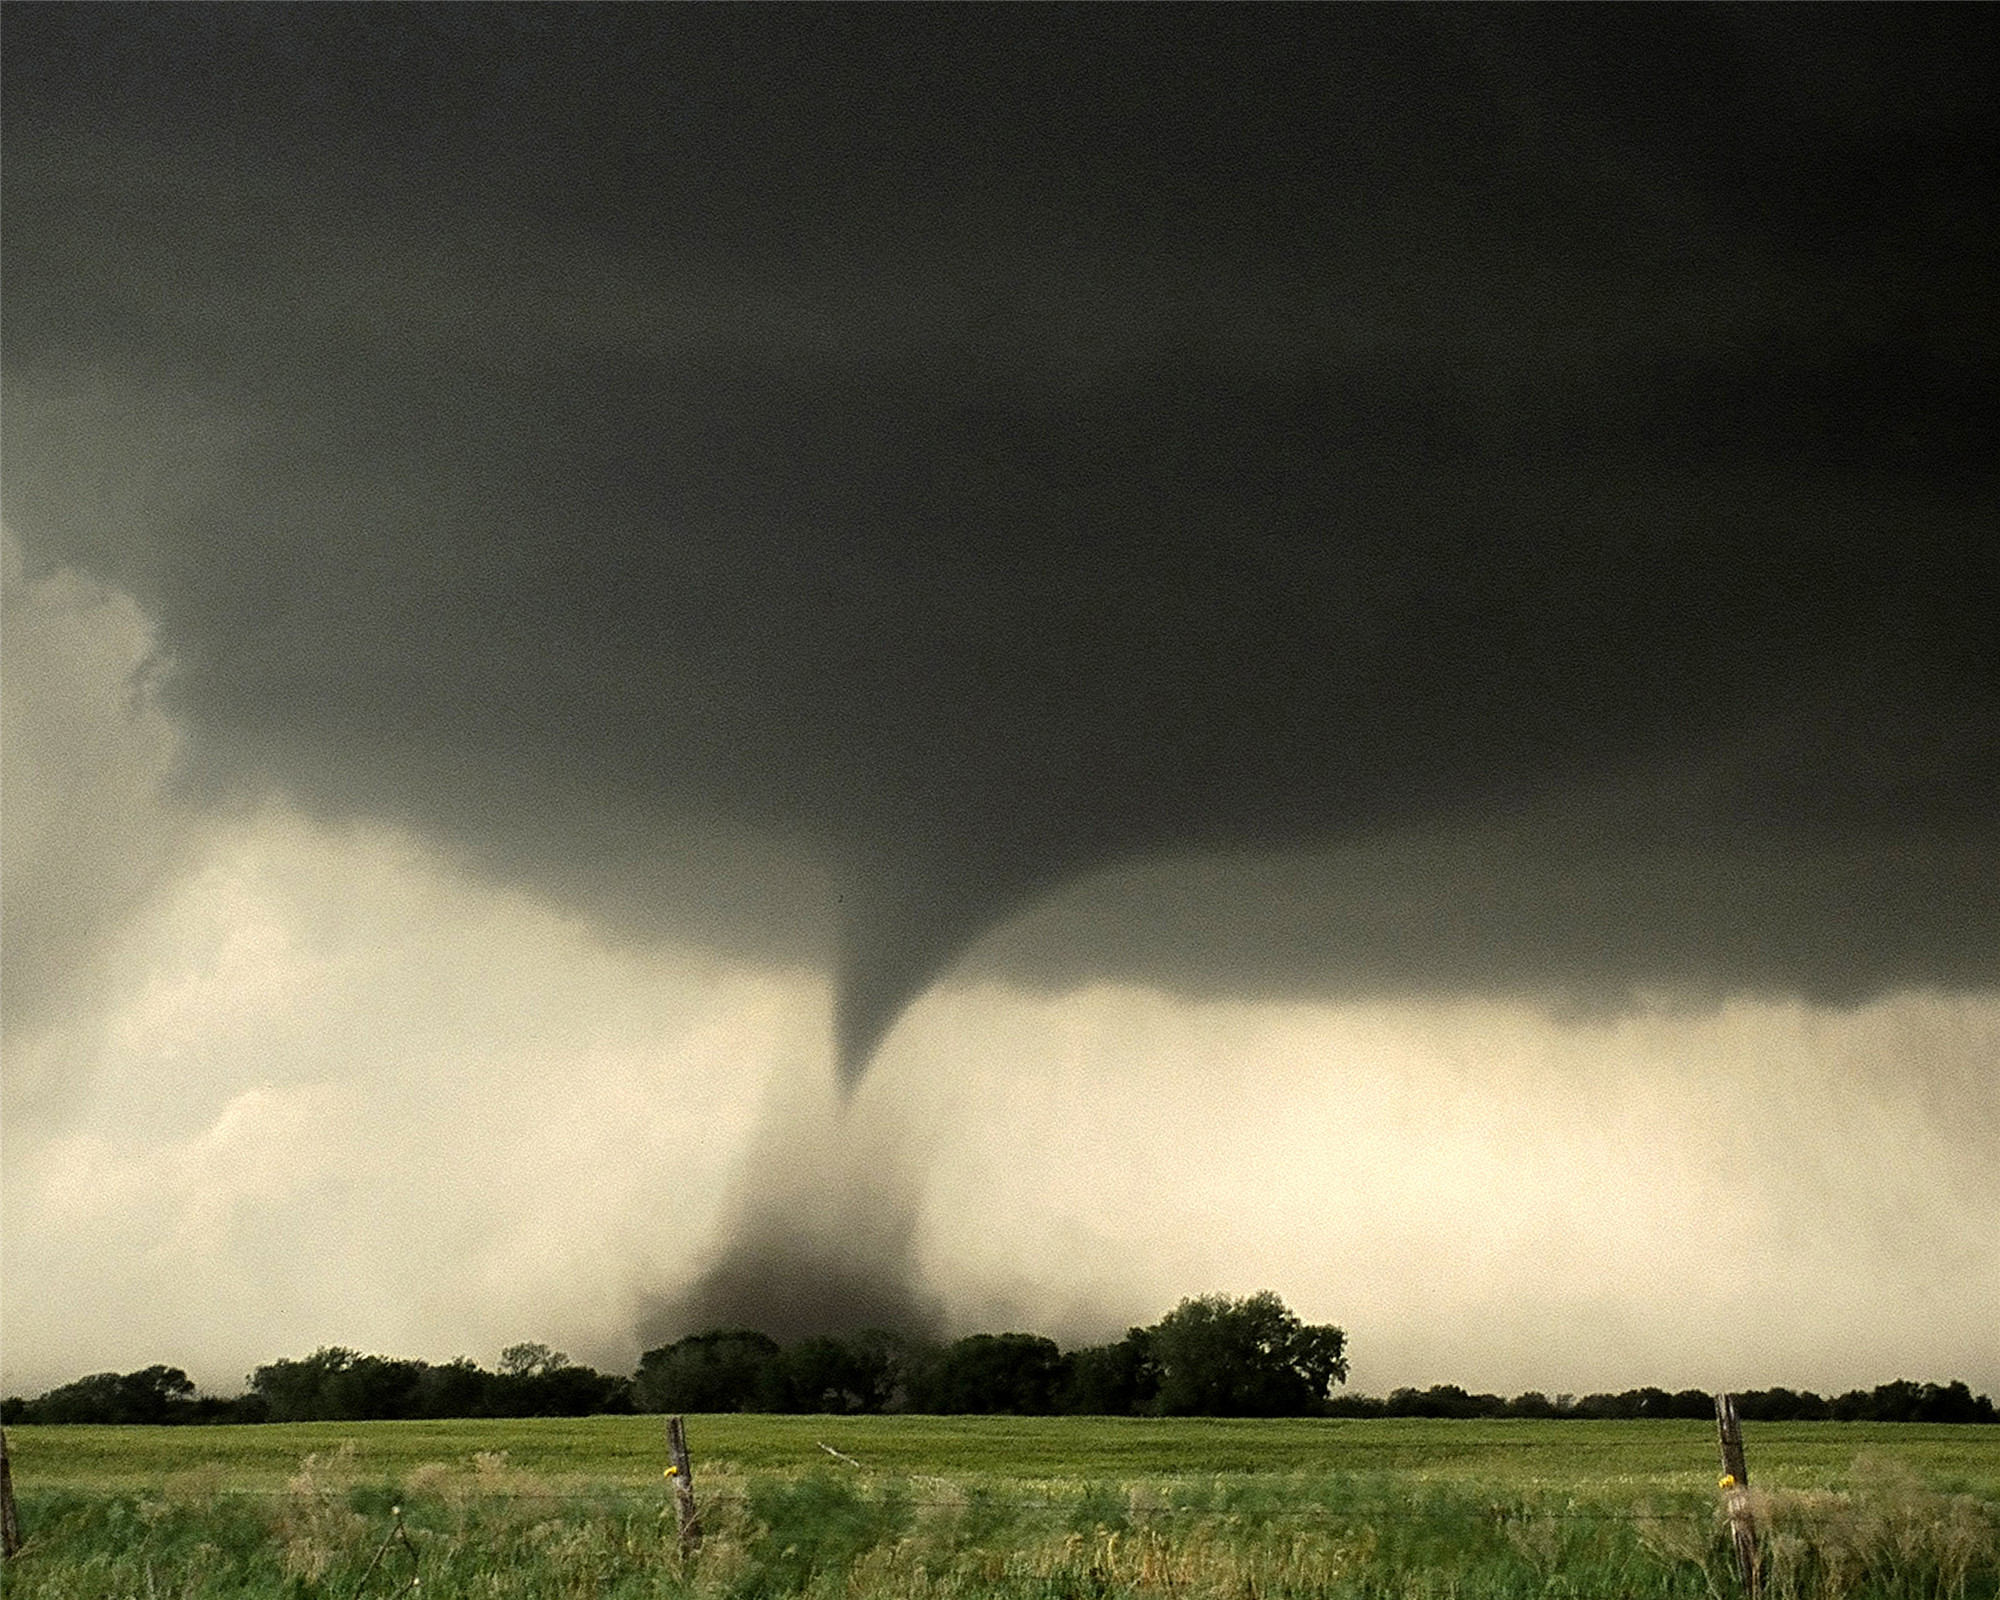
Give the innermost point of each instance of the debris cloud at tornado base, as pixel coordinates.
(818, 1231)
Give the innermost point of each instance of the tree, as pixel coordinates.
(155, 1394)
(1113, 1380)
(565, 1391)
(720, 1370)
(1017, 1373)
(1780, 1405)
(304, 1390)
(377, 1387)
(1442, 1400)
(458, 1388)
(531, 1360)
(1905, 1401)
(1953, 1402)
(860, 1371)
(1220, 1357)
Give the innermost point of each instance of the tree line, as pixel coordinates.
(1209, 1356)
(1900, 1401)
(340, 1385)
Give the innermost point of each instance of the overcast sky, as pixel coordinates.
(986, 667)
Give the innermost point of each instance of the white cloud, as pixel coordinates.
(346, 1096)
(85, 753)
(1763, 1194)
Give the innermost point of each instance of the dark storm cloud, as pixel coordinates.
(824, 476)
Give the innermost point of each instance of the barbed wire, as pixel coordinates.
(1785, 1511)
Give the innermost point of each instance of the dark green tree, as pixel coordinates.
(1442, 1400)
(1113, 1380)
(376, 1387)
(1253, 1357)
(304, 1390)
(458, 1388)
(1018, 1373)
(721, 1370)
(531, 1361)
(564, 1391)
(861, 1371)
(152, 1395)
(1953, 1402)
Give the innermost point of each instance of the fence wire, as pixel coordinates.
(627, 1498)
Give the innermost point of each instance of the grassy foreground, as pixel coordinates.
(1051, 1507)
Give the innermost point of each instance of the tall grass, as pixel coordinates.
(482, 1527)
(1632, 1459)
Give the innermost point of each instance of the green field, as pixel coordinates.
(1596, 1458)
(1000, 1505)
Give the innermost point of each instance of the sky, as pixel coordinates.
(980, 668)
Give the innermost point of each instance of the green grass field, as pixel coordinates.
(1615, 1459)
(1018, 1506)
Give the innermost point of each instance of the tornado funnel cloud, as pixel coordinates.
(820, 1231)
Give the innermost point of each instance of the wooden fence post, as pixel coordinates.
(683, 1476)
(1736, 1490)
(10, 1523)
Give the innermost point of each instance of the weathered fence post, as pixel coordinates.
(10, 1523)
(683, 1476)
(1736, 1491)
